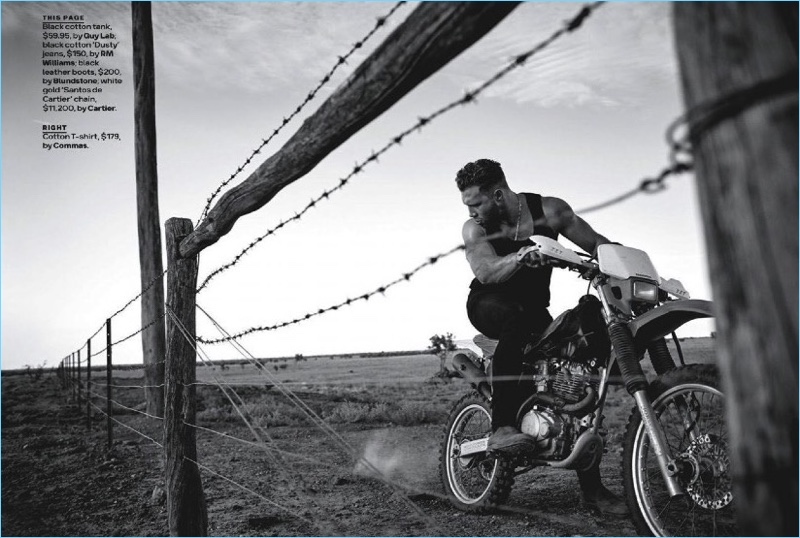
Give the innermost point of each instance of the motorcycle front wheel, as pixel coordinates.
(477, 483)
(691, 409)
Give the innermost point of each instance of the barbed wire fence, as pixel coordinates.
(469, 96)
(69, 368)
(342, 60)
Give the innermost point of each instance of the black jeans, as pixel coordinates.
(502, 316)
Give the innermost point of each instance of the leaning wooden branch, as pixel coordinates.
(433, 34)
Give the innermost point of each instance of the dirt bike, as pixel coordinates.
(675, 461)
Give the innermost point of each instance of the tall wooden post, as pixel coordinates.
(109, 408)
(72, 376)
(151, 266)
(186, 503)
(78, 375)
(89, 383)
(747, 169)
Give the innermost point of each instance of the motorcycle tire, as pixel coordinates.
(691, 408)
(478, 483)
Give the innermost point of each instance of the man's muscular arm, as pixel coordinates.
(488, 267)
(563, 220)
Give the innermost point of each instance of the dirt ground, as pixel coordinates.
(60, 479)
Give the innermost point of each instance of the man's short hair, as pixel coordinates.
(485, 173)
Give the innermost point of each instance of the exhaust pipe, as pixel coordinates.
(474, 375)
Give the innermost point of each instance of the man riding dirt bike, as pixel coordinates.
(547, 381)
(510, 293)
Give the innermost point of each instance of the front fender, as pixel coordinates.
(667, 317)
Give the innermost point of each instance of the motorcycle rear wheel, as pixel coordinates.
(478, 483)
(691, 409)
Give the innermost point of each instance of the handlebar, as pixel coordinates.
(550, 248)
(563, 256)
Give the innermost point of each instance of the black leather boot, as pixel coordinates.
(509, 440)
(597, 498)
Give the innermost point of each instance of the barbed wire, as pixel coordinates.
(365, 297)
(647, 185)
(469, 97)
(697, 120)
(381, 21)
(144, 290)
(142, 329)
(705, 115)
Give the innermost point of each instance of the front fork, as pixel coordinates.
(636, 385)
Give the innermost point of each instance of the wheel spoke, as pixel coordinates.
(691, 414)
(469, 479)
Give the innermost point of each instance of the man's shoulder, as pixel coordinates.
(553, 202)
(557, 212)
(472, 232)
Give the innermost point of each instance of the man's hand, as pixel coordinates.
(531, 257)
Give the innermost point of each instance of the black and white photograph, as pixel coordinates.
(344, 268)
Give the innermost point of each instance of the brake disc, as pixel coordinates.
(711, 483)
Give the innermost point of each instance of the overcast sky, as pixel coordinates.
(584, 121)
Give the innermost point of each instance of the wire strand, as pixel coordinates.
(468, 97)
(230, 393)
(340, 62)
(365, 297)
(326, 428)
(134, 430)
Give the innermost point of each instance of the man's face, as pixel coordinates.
(483, 209)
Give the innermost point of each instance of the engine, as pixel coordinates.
(565, 379)
(558, 383)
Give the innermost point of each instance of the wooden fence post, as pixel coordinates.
(432, 35)
(151, 266)
(88, 383)
(78, 376)
(72, 376)
(747, 168)
(109, 411)
(186, 503)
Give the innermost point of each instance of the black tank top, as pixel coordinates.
(531, 286)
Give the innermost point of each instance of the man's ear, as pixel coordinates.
(497, 195)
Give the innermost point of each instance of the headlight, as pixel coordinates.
(645, 291)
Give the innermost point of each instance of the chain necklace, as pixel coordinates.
(519, 217)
